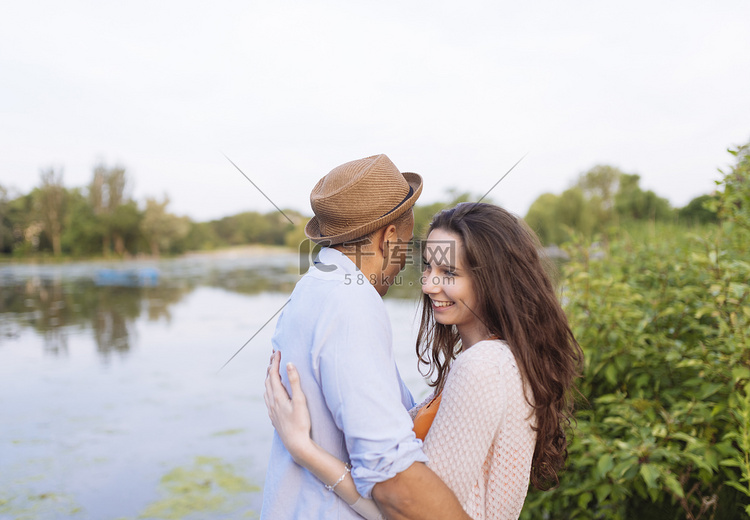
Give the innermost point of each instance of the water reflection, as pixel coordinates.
(56, 308)
(115, 393)
(57, 301)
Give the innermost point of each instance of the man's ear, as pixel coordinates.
(390, 235)
(377, 241)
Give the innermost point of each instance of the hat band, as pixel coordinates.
(411, 192)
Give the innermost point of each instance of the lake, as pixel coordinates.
(113, 400)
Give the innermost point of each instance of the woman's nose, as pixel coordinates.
(428, 283)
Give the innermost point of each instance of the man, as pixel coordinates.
(336, 331)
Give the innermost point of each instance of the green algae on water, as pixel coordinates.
(207, 486)
(223, 433)
(38, 506)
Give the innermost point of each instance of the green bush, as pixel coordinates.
(663, 318)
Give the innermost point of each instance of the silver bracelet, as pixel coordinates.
(348, 469)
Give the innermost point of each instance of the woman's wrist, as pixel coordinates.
(304, 451)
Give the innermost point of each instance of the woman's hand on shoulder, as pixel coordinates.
(289, 415)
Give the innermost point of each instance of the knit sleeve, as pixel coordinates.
(481, 437)
(472, 408)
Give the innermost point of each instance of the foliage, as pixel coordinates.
(49, 206)
(741, 438)
(601, 199)
(124, 224)
(542, 218)
(161, 229)
(6, 230)
(102, 219)
(632, 203)
(663, 323)
(25, 229)
(82, 232)
(108, 193)
(698, 211)
(601, 183)
(98, 219)
(554, 216)
(251, 227)
(733, 205)
(202, 236)
(423, 213)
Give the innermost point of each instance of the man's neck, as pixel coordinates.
(366, 261)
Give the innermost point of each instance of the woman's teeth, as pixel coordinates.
(442, 304)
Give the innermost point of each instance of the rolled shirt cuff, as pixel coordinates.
(371, 469)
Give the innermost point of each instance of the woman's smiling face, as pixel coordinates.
(448, 283)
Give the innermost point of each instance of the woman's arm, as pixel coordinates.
(291, 418)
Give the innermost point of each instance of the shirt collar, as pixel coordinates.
(328, 257)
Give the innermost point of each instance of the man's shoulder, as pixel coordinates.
(340, 292)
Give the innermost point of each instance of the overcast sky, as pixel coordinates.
(455, 91)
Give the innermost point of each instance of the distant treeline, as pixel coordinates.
(604, 198)
(101, 219)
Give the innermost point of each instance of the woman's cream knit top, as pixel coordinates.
(481, 442)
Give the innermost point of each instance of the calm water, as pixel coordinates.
(112, 405)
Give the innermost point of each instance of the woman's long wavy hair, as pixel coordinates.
(517, 302)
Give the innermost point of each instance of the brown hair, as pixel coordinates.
(517, 302)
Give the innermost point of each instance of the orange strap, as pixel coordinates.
(425, 416)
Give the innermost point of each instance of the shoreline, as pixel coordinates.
(250, 250)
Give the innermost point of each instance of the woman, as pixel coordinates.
(503, 359)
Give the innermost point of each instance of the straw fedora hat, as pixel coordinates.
(358, 197)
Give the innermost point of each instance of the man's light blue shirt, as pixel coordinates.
(336, 331)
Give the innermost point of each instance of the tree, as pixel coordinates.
(599, 186)
(600, 182)
(733, 203)
(574, 210)
(121, 220)
(107, 193)
(551, 216)
(698, 211)
(632, 203)
(160, 228)
(6, 230)
(125, 222)
(423, 213)
(735, 199)
(50, 200)
(542, 218)
(24, 227)
(82, 233)
(202, 235)
(586, 207)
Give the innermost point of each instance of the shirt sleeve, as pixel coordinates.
(362, 388)
(471, 411)
(407, 399)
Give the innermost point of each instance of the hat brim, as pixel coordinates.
(312, 229)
